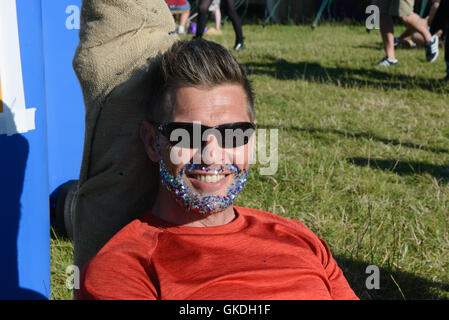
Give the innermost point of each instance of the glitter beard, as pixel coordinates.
(191, 201)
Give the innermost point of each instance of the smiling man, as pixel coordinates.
(194, 243)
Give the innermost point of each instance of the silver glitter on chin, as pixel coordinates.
(191, 201)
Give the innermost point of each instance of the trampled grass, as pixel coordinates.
(363, 154)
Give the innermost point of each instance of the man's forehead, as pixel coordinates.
(228, 90)
(215, 102)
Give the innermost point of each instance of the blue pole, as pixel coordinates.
(423, 7)
(273, 10)
(320, 12)
(24, 187)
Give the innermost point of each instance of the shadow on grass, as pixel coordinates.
(440, 172)
(340, 76)
(358, 135)
(380, 47)
(393, 284)
(374, 46)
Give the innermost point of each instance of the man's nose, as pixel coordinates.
(212, 152)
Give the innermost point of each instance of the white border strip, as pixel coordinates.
(15, 118)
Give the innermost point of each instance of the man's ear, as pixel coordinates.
(148, 136)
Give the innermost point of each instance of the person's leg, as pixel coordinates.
(415, 22)
(446, 53)
(386, 11)
(217, 14)
(387, 32)
(416, 36)
(183, 21)
(184, 18)
(433, 11)
(407, 33)
(441, 22)
(405, 12)
(441, 18)
(229, 6)
(203, 13)
(403, 41)
(418, 39)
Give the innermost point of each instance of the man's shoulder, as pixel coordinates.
(269, 217)
(124, 257)
(282, 226)
(295, 228)
(137, 230)
(135, 239)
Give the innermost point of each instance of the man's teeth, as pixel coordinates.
(209, 177)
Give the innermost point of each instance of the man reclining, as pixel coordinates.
(194, 243)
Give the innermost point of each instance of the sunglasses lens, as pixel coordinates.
(182, 135)
(236, 134)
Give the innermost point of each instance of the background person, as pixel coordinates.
(415, 37)
(180, 5)
(441, 22)
(404, 10)
(215, 8)
(229, 8)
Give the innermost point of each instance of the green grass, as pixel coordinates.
(363, 154)
(61, 251)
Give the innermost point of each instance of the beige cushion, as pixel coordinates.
(117, 183)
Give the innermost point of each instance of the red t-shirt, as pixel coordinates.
(257, 256)
(177, 3)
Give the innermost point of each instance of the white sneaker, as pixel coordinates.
(181, 30)
(432, 49)
(387, 62)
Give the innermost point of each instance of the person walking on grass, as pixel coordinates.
(215, 9)
(229, 7)
(441, 22)
(404, 10)
(416, 38)
(184, 7)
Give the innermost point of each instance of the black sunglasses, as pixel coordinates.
(191, 135)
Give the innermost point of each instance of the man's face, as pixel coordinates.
(208, 179)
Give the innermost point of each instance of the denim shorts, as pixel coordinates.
(180, 8)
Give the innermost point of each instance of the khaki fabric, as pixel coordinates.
(400, 8)
(117, 183)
